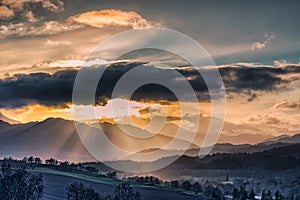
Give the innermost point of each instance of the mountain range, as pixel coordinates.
(58, 138)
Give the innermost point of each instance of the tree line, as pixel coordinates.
(18, 184)
(78, 191)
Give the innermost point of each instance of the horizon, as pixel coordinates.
(143, 100)
(253, 95)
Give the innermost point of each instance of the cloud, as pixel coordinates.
(34, 26)
(282, 118)
(262, 45)
(112, 17)
(33, 29)
(236, 76)
(6, 13)
(288, 105)
(53, 43)
(250, 80)
(56, 89)
(22, 16)
(280, 63)
(37, 88)
(30, 16)
(51, 5)
(78, 63)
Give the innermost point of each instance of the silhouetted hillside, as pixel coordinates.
(281, 158)
(58, 138)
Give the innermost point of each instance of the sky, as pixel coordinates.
(255, 45)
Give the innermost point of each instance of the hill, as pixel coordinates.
(58, 138)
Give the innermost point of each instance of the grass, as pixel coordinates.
(104, 180)
(91, 178)
(95, 179)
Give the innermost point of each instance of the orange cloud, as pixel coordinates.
(39, 112)
(97, 19)
(112, 17)
(30, 16)
(6, 13)
(35, 113)
(57, 6)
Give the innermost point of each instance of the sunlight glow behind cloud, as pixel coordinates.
(96, 18)
(113, 17)
(122, 107)
(78, 63)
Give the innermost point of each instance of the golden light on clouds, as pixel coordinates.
(120, 110)
(6, 13)
(112, 17)
(77, 63)
(44, 43)
(19, 4)
(105, 113)
(35, 113)
(114, 108)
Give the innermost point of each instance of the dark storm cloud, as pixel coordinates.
(42, 88)
(56, 89)
(150, 91)
(263, 78)
(260, 78)
(53, 90)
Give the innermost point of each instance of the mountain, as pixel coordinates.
(231, 133)
(58, 138)
(50, 138)
(136, 144)
(275, 159)
(227, 148)
(243, 138)
(276, 142)
(286, 157)
(4, 125)
(8, 120)
(283, 139)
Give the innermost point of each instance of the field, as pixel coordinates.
(55, 183)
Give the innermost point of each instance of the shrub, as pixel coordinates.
(77, 191)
